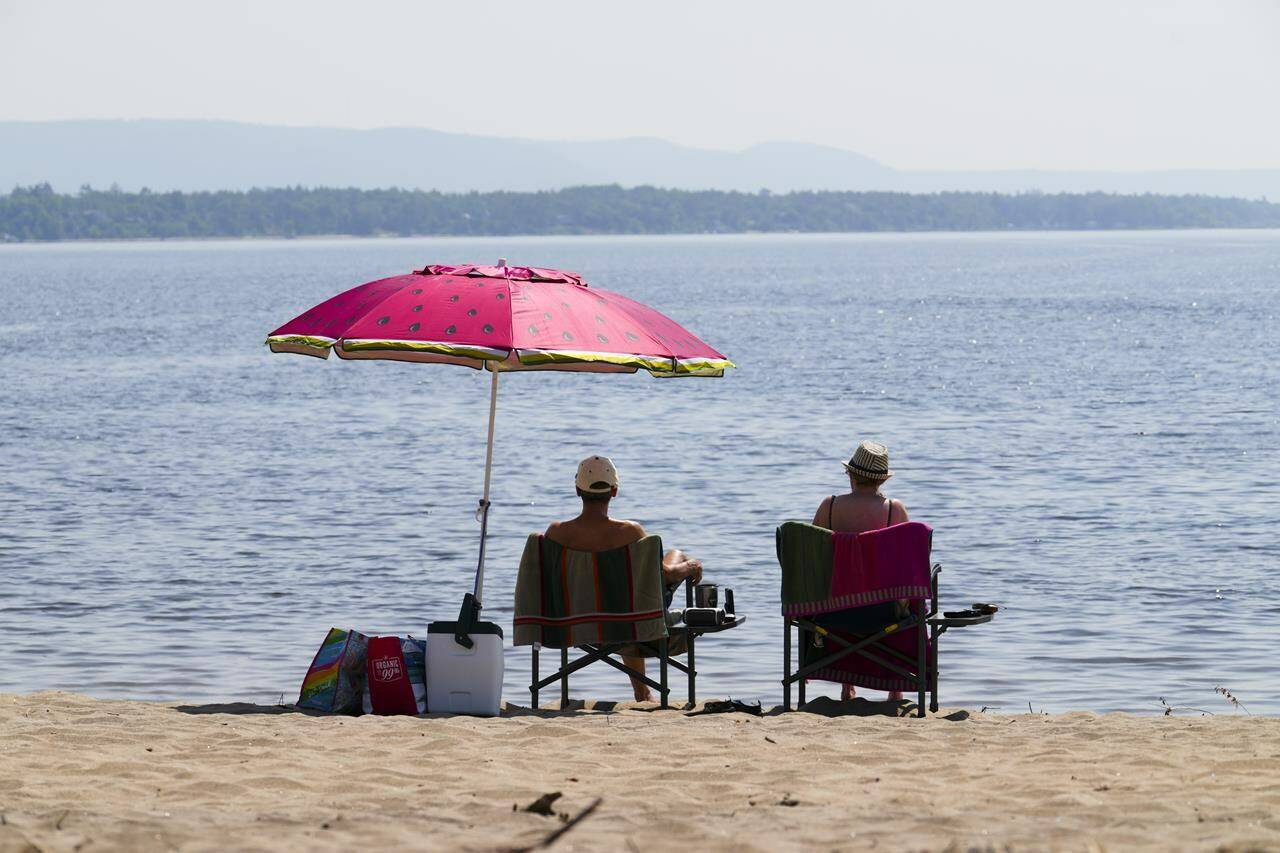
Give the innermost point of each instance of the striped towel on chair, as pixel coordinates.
(568, 598)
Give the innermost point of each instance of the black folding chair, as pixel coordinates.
(833, 633)
(827, 637)
(549, 621)
(681, 636)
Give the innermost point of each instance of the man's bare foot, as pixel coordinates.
(638, 688)
(847, 692)
(895, 695)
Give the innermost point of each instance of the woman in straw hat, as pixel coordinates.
(864, 507)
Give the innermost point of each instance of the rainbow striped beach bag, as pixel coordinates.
(335, 681)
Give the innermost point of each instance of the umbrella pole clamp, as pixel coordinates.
(467, 618)
(470, 612)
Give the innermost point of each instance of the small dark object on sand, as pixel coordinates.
(561, 830)
(726, 706)
(787, 800)
(542, 805)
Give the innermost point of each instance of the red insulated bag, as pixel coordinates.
(394, 675)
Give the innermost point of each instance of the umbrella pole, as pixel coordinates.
(471, 602)
(484, 501)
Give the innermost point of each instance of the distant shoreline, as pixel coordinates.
(320, 238)
(38, 214)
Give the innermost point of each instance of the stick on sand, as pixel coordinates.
(561, 830)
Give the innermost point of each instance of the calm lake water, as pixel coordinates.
(1091, 423)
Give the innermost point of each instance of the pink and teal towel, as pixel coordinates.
(881, 565)
(823, 572)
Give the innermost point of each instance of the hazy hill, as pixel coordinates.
(211, 155)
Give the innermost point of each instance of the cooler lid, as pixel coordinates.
(476, 628)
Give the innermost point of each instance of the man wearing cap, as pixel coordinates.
(594, 530)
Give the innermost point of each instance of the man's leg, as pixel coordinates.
(639, 688)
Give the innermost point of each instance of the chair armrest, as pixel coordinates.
(933, 583)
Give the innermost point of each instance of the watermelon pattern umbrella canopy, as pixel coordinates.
(502, 319)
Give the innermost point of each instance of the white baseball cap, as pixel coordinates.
(597, 475)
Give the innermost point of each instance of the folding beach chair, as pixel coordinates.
(604, 603)
(866, 608)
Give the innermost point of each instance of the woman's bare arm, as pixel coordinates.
(822, 514)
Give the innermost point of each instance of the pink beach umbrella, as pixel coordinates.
(497, 318)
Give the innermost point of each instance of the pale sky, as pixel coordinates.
(1075, 84)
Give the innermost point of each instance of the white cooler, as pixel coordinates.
(462, 680)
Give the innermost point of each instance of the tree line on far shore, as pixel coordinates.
(40, 213)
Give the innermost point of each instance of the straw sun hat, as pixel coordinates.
(870, 460)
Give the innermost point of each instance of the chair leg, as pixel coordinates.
(693, 672)
(922, 668)
(533, 687)
(933, 673)
(801, 644)
(689, 638)
(662, 679)
(564, 679)
(786, 663)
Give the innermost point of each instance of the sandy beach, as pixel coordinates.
(79, 773)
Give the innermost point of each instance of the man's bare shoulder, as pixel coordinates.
(634, 528)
